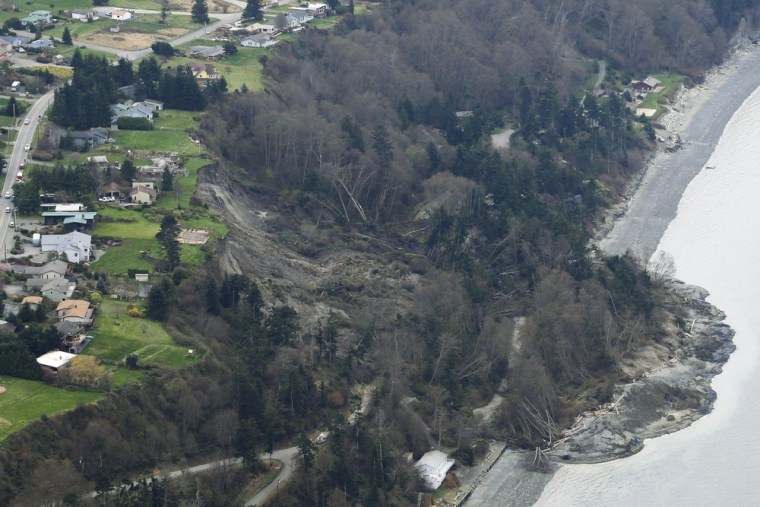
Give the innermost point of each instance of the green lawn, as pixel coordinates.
(117, 335)
(27, 400)
(175, 119)
(669, 83)
(187, 184)
(141, 23)
(68, 52)
(241, 68)
(138, 235)
(155, 141)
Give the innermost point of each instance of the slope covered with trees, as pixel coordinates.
(372, 139)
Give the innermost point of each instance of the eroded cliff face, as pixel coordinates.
(359, 283)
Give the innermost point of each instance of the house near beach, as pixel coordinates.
(433, 467)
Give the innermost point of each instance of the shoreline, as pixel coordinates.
(699, 116)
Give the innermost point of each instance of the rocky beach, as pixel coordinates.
(670, 383)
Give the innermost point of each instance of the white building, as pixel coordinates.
(433, 467)
(55, 359)
(76, 245)
(121, 14)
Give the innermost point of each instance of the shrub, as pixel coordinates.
(134, 124)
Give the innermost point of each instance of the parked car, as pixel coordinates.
(27, 147)
(12, 225)
(8, 209)
(26, 121)
(8, 194)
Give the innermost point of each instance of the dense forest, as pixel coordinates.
(374, 137)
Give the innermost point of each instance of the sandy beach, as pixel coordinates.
(699, 117)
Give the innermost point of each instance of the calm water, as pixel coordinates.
(715, 241)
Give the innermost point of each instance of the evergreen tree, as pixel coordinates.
(167, 181)
(27, 198)
(253, 10)
(148, 75)
(167, 236)
(66, 37)
(26, 314)
(199, 12)
(212, 296)
(158, 303)
(128, 170)
(11, 109)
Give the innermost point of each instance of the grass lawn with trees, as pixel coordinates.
(25, 401)
(670, 83)
(116, 335)
(238, 69)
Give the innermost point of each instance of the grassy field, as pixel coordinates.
(176, 119)
(27, 400)
(669, 83)
(238, 69)
(163, 141)
(138, 235)
(118, 335)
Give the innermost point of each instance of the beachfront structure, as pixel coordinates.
(433, 467)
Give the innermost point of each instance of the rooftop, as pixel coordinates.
(55, 359)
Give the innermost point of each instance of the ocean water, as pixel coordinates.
(715, 242)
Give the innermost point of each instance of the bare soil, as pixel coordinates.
(132, 41)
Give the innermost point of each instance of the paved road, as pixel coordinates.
(286, 456)
(25, 137)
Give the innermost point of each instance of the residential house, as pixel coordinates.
(49, 271)
(38, 18)
(129, 109)
(75, 245)
(32, 301)
(203, 71)
(84, 15)
(296, 17)
(120, 15)
(88, 139)
(260, 40)
(55, 360)
(312, 10)
(40, 44)
(646, 85)
(77, 311)
(98, 162)
(433, 467)
(71, 219)
(142, 194)
(73, 339)
(16, 41)
(156, 169)
(113, 190)
(207, 52)
(58, 289)
(156, 105)
(262, 28)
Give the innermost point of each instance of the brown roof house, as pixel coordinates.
(77, 311)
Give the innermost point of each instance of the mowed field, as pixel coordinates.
(25, 401)
(116, 335)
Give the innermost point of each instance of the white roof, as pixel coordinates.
(433, 467)
(69, 207)
(55, 359)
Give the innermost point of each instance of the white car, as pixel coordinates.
(12, 225)
(8, 194)
(8, 209)
(27, 147)
(26, 121)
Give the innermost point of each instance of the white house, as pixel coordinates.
(53, 269)
(260, 40)
(83, 15)
(55, 359)
(76, 245)
(121, 15)
(143, 193)
(433, 467)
